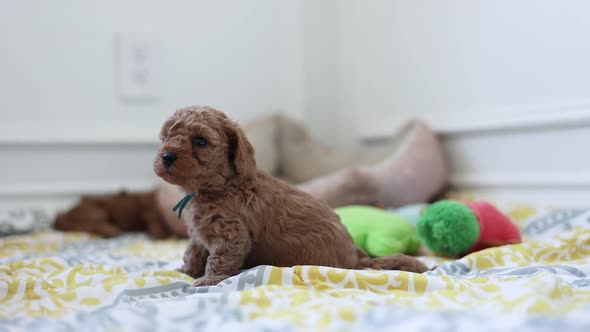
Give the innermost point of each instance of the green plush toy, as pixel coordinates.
(378, 232)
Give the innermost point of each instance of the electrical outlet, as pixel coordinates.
(137, 66)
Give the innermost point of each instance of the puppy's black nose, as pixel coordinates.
(168, 158)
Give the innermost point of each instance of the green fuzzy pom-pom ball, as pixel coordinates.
(448, 227)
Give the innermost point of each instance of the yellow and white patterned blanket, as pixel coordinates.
(55, 281)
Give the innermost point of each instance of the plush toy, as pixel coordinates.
(410, 213)
(452, 228)
(378, 232)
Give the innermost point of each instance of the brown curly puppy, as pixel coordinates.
(113, 214)
(243, 217)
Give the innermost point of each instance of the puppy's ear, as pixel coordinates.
(241, 152)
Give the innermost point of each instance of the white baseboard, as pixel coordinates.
(67, 188)
(57, 169)
(523, 180)
(53, 197)
(534, 150)
(537, 151)
(460, 123)
(77, 134)
(555, 197)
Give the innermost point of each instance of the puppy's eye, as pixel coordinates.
(200, 141)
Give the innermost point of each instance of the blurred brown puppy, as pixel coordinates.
(243, 217)
(111, 215)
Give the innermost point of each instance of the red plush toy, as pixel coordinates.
(453, 228)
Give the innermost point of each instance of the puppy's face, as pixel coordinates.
(202, 149)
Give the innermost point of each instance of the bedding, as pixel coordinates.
(72, 281)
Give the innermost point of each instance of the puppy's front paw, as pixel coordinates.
(108, 231)
(190, 271)
(209, 280)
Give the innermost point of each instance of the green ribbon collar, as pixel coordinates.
(182, 203)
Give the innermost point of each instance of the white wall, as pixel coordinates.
(57, 60)
(321, 68)
(505, 83)
(63, 128)
(345, 66)
(394, 58)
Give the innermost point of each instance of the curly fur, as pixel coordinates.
(113, 214)
(243, 217)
